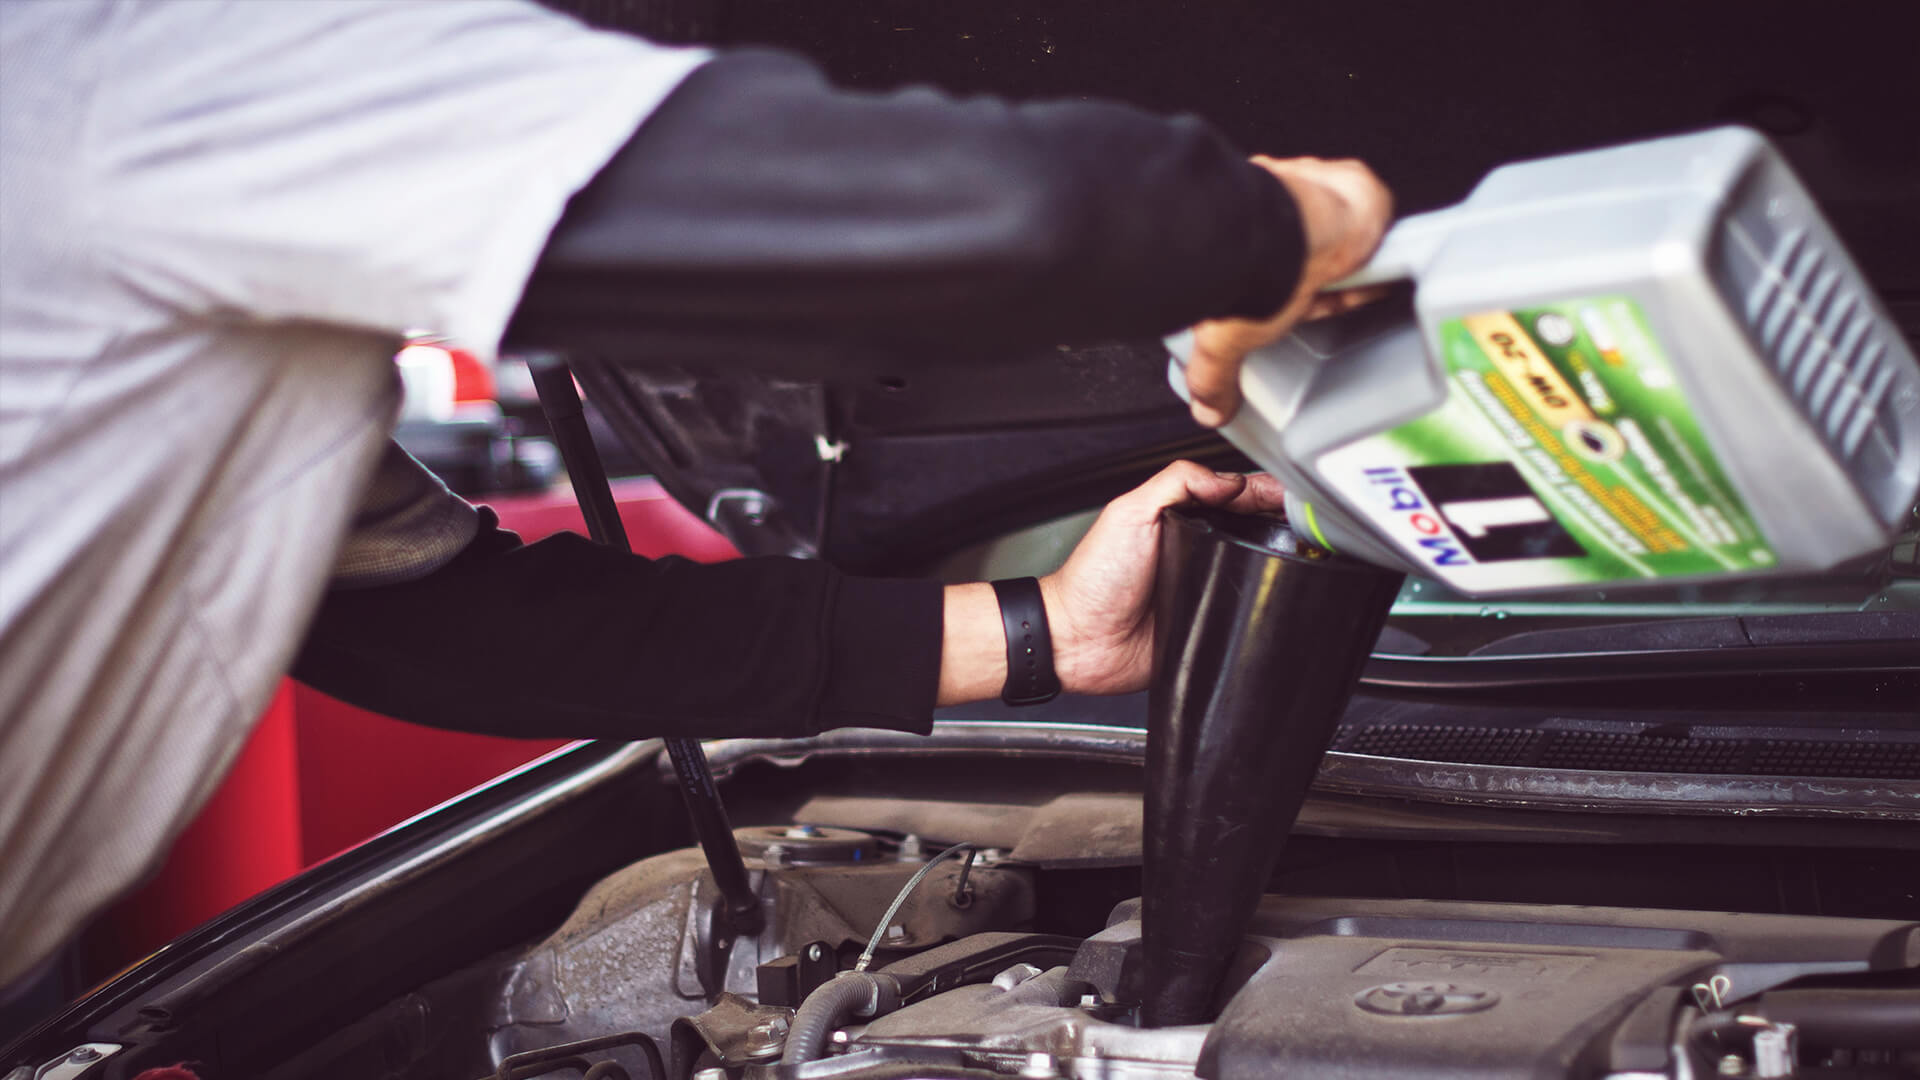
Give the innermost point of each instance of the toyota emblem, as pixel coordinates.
(1425, 999)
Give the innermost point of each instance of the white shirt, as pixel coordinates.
(218, 218)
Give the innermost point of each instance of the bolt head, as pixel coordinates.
(1014, 976)
(767, 1037)
(1039, 1065)
(84, 1055)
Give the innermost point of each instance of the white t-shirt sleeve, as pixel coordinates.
(374, 163)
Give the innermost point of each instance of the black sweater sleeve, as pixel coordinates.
(568, 638)
(759, 202)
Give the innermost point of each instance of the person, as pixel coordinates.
(222, 214)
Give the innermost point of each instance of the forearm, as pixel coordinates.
(567, 638)
(973, 647)
(758, 202)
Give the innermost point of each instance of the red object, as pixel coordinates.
(169, 1072)
(245, 838)
(471, 379)
(319, 775)
(362, 773)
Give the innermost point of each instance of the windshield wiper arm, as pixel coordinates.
(1874, 674)
(1723, 632)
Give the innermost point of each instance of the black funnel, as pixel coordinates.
(1258, 641)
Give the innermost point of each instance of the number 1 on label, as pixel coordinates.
(1475, 517)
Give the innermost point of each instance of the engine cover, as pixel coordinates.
(1356, 989)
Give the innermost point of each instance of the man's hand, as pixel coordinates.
(1100, 604)
(1345, 210)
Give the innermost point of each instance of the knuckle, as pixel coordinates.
(1180, 476)
(1211, 393)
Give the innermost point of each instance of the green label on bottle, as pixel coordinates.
(1566, 454)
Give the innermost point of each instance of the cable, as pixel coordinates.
(901, 898)
(831, 1004)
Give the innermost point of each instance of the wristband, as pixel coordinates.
(1023, 614)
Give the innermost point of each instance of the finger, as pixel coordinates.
(1181, 483)
(1213, 380)
(1263, 494)
(1327, 305)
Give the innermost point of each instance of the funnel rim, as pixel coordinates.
(1233, 529)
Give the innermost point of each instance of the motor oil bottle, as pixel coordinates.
(1652, 363)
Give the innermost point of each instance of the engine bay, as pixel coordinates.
(968, 980)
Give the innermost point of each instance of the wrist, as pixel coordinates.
(973, 644)
(973, 648)
(1067, 651)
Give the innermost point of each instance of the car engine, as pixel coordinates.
(883, 958)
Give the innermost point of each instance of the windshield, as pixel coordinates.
(1872, 600)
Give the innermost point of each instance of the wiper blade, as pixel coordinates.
(1873, 675)
(1726, 632)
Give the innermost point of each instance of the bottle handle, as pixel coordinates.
(1404, 252)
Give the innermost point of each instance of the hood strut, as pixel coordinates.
(561, 402)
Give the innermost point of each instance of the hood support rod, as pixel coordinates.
(565, 415)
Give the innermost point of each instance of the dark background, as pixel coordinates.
(1432, 94)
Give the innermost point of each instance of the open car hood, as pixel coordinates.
(884, 463)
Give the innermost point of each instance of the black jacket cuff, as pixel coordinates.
(883, 666)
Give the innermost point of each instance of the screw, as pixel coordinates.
(815, 952)
(1039, 1065)
(83, 1055)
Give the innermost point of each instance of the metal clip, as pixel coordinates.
(1711, 995)
(754, 505)
(830, 450)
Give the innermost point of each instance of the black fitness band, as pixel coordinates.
(1030, 676)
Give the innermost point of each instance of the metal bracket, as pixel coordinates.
(71, 1065)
